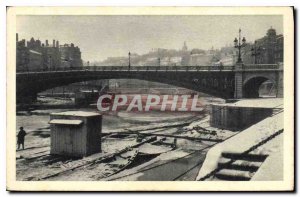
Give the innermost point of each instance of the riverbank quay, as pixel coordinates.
(249, 155)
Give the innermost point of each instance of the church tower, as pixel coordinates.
(184, 48)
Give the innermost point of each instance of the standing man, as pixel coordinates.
(21, 137)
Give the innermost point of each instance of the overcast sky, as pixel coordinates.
(100, 37)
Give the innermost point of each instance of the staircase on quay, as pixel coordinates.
(238, 167)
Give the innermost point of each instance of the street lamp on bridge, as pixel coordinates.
(129, 60)
(158, 59)
(238, 43)
(255, 52)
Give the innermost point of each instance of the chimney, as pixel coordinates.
(17, 37)
(47, 44)
(57, 44)
(53, 44)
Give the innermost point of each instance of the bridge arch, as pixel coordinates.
(30, 84)
(228, 82)
(252, 84)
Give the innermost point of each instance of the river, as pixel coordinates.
(37, 140)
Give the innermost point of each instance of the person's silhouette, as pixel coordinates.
(21, 137)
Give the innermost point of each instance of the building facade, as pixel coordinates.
(22, 55)
(35, 55)
(200, 57)
(70, 56)
(266, 50)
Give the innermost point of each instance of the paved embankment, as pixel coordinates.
(245, 149)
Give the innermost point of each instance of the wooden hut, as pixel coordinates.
(75, 133)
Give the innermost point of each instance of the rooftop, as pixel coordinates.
(76, 113)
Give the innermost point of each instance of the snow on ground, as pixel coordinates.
(155, 116)
(202, 129)
(263, 102)
(37, 142)
(153, 149)
(96, 171)
(45, 164)
(37, 129)
(88, 173)
(242, 142)
(163, 158)
(32, 123)
(55, 100)
(273, 163)
(39, 137)
(110, 145)
(193, 145)
(77, 113)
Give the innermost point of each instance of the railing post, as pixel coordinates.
(221, 67)
(239, 66)
(238, 80)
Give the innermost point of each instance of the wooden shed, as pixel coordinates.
(75, 133)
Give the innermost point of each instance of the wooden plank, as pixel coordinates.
(65, 122)
(174, 136)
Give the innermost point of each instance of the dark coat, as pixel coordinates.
(21, 136)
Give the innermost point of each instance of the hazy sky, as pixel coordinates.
(102, 36)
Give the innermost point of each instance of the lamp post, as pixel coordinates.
(255, 52)
(238, 43)
(129, 60)
(158, 59)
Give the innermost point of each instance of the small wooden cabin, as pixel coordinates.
(75, 133)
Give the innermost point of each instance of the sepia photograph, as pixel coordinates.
(191, 99)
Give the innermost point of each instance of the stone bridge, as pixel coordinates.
(239, 81)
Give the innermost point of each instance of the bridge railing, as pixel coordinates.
(155, 68)
(151, 68)
(131, 68)
(260, 66)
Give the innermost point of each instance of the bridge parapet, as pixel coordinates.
(238, 67)
(259, 67)
(134, 68)
(220, 81)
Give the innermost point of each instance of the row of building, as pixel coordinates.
(35, 55)
(266, 50)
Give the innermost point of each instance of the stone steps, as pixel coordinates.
(247, 157)
(233, 175)
(238, 167)
(241, 165)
